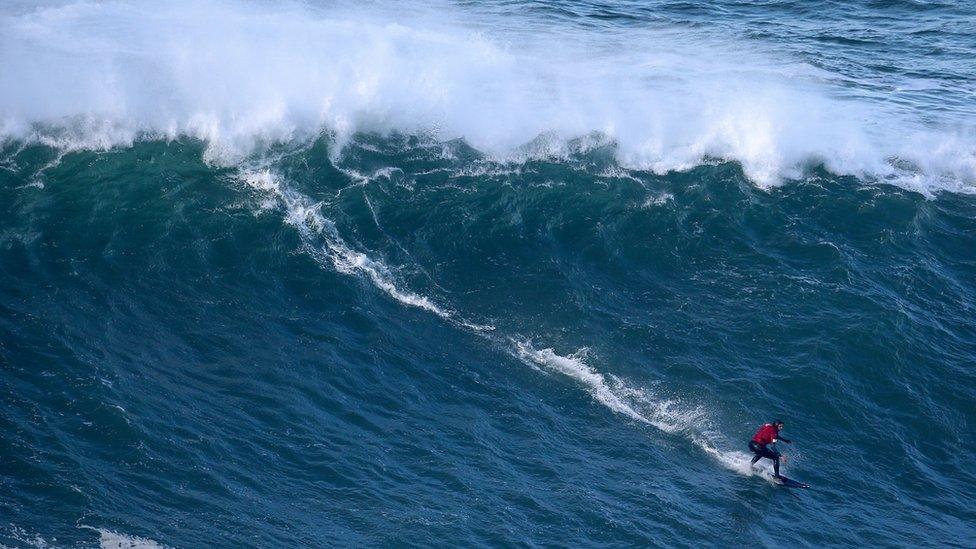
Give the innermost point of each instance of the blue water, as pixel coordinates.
(504, 273)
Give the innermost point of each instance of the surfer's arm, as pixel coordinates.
(786, 440)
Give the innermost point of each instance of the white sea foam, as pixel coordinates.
(114, 540)
(323, 241)
(109, 539)
(241, 74)
(615, 394)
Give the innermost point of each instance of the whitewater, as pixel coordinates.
(239, 75)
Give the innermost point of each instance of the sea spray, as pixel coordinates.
(242, 75)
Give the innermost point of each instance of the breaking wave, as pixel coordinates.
(242, 75)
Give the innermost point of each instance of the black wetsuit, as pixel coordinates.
(764, 451)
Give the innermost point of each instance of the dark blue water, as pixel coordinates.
(516, 273)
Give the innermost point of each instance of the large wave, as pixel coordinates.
(240, 75)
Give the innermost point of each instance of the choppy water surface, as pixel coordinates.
(509, 273)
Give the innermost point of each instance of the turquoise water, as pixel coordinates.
(513, 273)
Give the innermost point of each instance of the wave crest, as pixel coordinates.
(240, 75)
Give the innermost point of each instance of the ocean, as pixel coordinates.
(504, 273)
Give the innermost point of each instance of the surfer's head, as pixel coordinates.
(779, 424)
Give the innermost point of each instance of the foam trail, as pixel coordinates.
(109, 539)
(322, 241)
(638, 404)
(574, 366)
(306, 217)
(241, 75)
(113, 540)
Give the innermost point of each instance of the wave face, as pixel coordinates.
(499, 274)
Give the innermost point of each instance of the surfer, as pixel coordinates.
(768, 435)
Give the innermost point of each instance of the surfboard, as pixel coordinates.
(790, 483)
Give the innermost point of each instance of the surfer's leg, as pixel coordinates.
(772, 454)
(764, 451)
(756, 450)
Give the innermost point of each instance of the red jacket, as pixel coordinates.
(766, 434)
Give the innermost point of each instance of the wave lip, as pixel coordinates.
(240, 76)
